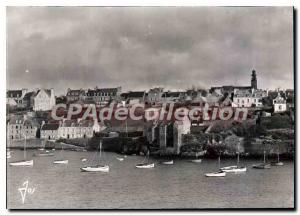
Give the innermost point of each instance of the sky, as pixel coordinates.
(142, 47)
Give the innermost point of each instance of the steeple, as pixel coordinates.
(253, 80)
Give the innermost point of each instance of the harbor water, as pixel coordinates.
(182, 185)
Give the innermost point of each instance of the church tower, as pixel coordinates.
(253, 80)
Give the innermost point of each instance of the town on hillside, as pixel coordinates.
(269, 125)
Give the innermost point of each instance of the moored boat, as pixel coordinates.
(168, 162)
(98, 167)
(61, 162)
(216, 174)
(25, 161)
(145, 164)
(263, 165)
(237, 168)
(120, 159)
(22, 163)
(43, 154)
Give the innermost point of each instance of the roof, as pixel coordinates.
(75, 92)
(102, 90)
(47, 91)
(29, 95)
(136, 94)
(14, 93)
(51, 126)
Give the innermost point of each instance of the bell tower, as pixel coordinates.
(253, 80)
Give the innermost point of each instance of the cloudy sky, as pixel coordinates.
(141, 47)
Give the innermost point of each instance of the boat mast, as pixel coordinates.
(264, 156)
(219, 161)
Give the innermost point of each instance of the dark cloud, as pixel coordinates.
(141, 47)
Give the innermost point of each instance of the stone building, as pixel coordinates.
(49, 131)
(279, 104)
(44, 100)
(20, 127)
(15, 97)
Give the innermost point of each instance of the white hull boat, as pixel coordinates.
(98, 168)
(61, 162)
(22, 163)
(169, 162)
(277, 164)
(145, 166)
(43, 154)
(196, 161)
(235, 169)
(216, 174)
(120, 159)
(228, 167)
(83, 159)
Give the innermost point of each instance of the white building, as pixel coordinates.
(44, 100)
(70, 129)
(248, 98)
(279, 104)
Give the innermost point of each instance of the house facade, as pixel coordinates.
(44, 100)
(49, 131)
(248, 98)
(15, 97)
(279, 104)
(155, 95)
(103, 95)
(75, 95)
(70, 129)
(20, 127)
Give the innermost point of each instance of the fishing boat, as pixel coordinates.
(237, 168)
(145, 164)
(43, 154)
(168, 162)
(217, 174)
(278, 162)
(61, 160)
(98, 167)
(120, 159)
(24, 162)
(263, 165)
(197, 160)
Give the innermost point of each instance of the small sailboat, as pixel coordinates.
(217, 174)
(99, 167)
(145, 164)
(196, 160)
(83, 159)
(235, 169)
(263, 165)
(43, 154)
(168, 162)
(120, 159)
(61, 160)
(278, 162)
(24, 162)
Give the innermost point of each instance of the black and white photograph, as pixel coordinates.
(170, 107)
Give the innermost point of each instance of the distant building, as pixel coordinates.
(70, 129)
(20, 127)
(103, 95)
(279, 104)
(134, 97)
(75, 95)
(49, 131)
(248, 98)
(231, 90)
(155, 95)
(173, 96)
(15, 97)
(44, 100)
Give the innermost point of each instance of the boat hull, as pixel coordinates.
(228, 167)
(145, 166)
(61, 162)
(120, 159)
(171, 162)
(235, 170)
(43, 154)
(22, 163)
(216, 174)
(196, 161)
(95, 169)
(277, 164)
(261, 166)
